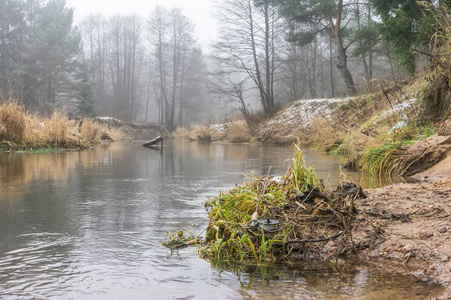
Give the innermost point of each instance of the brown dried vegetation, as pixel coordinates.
(20, 130)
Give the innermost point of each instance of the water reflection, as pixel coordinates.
(89, 224)
(313, 281)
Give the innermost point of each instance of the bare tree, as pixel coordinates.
(248, 45)
(125, 63)
(172, 43)
(157, 27)
(95, 46)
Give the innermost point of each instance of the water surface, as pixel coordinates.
(89, 225)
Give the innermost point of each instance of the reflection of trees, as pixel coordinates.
(18, 171)
(238, 157)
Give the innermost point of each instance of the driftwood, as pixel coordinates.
(154, 143)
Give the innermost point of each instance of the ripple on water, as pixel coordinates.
(101, 229)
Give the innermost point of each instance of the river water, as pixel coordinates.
(90, 224)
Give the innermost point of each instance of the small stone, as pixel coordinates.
(442, 229)
(408, 248)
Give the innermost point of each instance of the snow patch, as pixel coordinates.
(397, 108)
(305, 111)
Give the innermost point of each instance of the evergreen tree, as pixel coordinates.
(407, 25)
(12, 38)
(308, 18)
(86, 97)
(56, 46)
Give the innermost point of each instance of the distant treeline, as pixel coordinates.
(153, 69)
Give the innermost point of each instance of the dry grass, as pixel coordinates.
(238, 132)
(234, 132)
(35, 133)
(12, 122)
(321, 133)
(91, 131)
(114, 135)
(202, 133)
(21, 130)
(58, 129)
(182, 133)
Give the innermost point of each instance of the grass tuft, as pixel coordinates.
(389, 159)
(91, 131)
(182, 133)
(202, 133)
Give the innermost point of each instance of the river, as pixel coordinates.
(90, 224)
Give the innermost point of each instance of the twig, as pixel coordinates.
(319, 240)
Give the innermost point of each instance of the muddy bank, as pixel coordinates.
(408, 223)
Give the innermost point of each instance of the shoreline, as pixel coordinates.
(408, 223)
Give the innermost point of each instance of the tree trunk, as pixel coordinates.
(332, 77)
(341, 50)
(343, 68)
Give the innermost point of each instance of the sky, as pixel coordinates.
(198, 11)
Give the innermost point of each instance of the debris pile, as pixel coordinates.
(298, 218)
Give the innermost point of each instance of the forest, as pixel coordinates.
(267, 53)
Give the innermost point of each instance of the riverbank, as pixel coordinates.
(22, 131)
(408, 223)
(405, 224)
(380, 132)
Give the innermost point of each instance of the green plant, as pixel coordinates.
(415, 132)
(228, 238)
(303, 176)
(42, 150)
(386, 159)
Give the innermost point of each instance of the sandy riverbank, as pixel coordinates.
(409, 223)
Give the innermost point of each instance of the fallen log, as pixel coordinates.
(154, 143)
